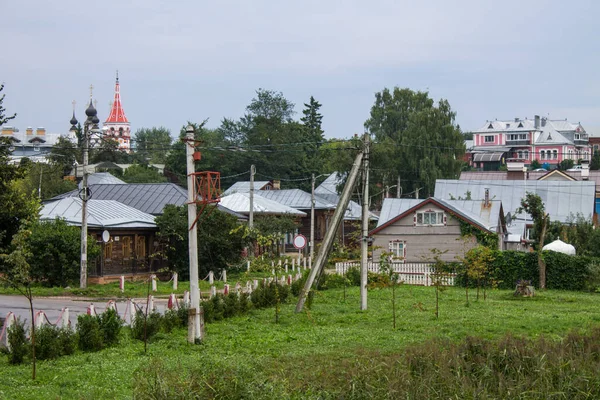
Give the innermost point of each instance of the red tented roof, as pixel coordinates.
(117, 115)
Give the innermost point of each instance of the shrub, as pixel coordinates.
(46, 343)
(592, 282)
(150, 325)
(266, 296)
(170, 321)
(333, 281)
(19, 345)
(89, 335)
(182, 314)
(231, 305)
(110, 325)
(67, 341)
(208, 308)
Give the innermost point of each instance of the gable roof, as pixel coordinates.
(296, 198)
(557, 172)
(244, 187)
(240, 203)
(102, 178)
(562, 199)
(101, 214)
(327, 191)
(486, 220)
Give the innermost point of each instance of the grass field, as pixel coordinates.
(314, 354)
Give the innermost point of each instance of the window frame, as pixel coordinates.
(394, 249)
(424, 218)
(486, 137)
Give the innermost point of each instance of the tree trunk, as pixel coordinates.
(541, 262)
(394, 303)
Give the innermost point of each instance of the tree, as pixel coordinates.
(65, 154)
(312, 120)
(219, 247)
(139, 173)
(270, 105)
(595, 164)
(3, 118)
(414, 139)
(534, 206)
(535, 164)
(152, 144)
(44, 180)
(566, 164)
(109, 151)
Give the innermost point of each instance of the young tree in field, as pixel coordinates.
(439, 277)
(534, 206)
(415, 139)
(17, 275)
(386, 267)
(478, 261)
(467, 242)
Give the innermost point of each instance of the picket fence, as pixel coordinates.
(409, 273)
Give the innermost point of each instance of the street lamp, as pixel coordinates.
(89, 126)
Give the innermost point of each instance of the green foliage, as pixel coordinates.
(171, 320)
(110, 325)
(595, 163)
(45, 180)
(3, 117)
(414, 138)
(109, 151)
(535, 164)
(269, 295)
(63, 156)
(53, 342)
(55, 252)
(146, 326)
(17, 340)
(89, 335)
(566, 164)
(533, 205)
(484, 238)
(219, 243)
(152, 144)
(140, 173)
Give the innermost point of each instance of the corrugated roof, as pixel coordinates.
(561, 198)
(328, 192)
(151, 198)
(103, 178)
(101, 214)
(391, 208)
(329, 185)
(296, 198)
(244, 187)
(240, 203)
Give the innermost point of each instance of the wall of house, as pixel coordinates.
(419, 240)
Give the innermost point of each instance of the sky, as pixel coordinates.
(189, 60)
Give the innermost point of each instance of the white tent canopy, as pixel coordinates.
(560, 247)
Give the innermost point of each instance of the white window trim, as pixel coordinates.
(485, 139)
(419, 219)
(396, 257)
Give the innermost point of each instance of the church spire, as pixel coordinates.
(117, 115)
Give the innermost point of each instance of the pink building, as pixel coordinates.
(542, 139)
(117, 126)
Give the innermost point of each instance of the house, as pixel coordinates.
(542, 139)
(132, 234)
(33, 144)
(240, 203)
(244, 187)
(411, 228)
(563, 200)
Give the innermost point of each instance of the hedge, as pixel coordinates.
(563, 272)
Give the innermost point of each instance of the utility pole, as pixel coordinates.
(364, 248)
(398, 188)
(90, 124)
(251, 216)
(417, 193)
(312, 219)
(337, 218)
(194, 331)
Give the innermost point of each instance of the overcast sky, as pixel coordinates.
(191, 60)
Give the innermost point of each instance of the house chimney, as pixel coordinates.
(40, 131)
(8, 130)
(486, 198)
(536, 122)
(544, 119)
(585, 170)
(29, 131)
(276, 184)
(516, 170)
(516, 119)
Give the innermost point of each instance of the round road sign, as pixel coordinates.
(299, 241)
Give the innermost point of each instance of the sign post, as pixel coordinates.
(299, 243)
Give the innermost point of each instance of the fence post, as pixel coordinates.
(153, 277)
(175, 280)
(122, 283)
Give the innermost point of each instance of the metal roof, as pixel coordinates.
(102, 178)
(151, 198)
(101, 214)
(562, 199)
(240, 203)
(472, 210)
(327, 190)
(296, 198)
(244, 187)
(329, 185)
(477, 157)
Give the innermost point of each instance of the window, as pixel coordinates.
(543, 155)
(520, 154)
(36, 147)
(126, 246)
(517, 136)
(489, 139)
(108, 249)
(140, 247)
(398, 248)
(555, 155)
(430, 218)
(526, 155)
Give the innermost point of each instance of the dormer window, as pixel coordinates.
(520, 125)
(490, 126)
(430, 218)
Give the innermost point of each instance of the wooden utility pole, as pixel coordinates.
(251, 195)
(84, 200)
(364, 246)
(337, 218)
(194, 328)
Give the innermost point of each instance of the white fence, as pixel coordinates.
(410, 273)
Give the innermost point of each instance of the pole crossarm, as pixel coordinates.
(207, 186)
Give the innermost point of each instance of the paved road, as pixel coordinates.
(53, 306)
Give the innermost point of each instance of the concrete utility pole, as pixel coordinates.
(194, 329)
(251, 216)
(364, 248)
(337, 218)
(398, 188)
(312, 219)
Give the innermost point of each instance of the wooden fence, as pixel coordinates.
(409, 273)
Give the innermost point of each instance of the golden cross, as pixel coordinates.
(91, 90)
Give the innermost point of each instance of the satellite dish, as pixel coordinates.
(105, 236)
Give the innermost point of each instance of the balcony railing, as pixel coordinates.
(524, 142)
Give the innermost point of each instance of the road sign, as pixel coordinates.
(299, 241)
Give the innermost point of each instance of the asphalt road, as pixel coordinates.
(53, 306)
